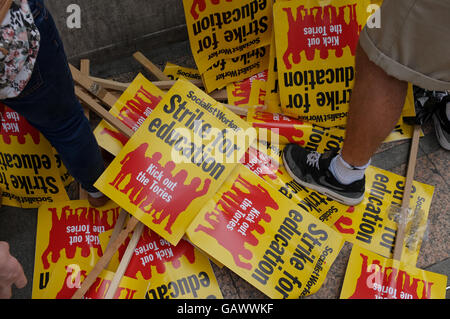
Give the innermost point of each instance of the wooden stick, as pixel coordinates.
(401, 231)
(98, 109)
(120, 223)
(105, 259)
(149, 66)
(85, 66)
(243, 110)
(124, 262)
(218, 95)
(110, 84)
(166, 85)
(92, 87)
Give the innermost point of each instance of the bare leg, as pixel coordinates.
(375, 108)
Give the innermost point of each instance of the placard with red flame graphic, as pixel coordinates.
(157, 270)
(371, 276)
(265, 238)
(176, 160)
(316, 46)
(373, 223)
(31, 173)
(68, 232)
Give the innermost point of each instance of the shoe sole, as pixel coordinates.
(337, 197)
(440, 135)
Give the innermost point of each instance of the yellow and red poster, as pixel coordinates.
(316, 46)
(225, 29)
(30, 171)
(132, 108)
(371, 276)
(176, 161)
(265, 238)
(373, 223)
(68, 233)
(157, 270)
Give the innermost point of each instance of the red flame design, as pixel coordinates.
(225, 211)
(319, 17)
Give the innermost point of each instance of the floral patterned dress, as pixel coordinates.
(19, 47)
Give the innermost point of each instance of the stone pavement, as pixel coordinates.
(18, 226)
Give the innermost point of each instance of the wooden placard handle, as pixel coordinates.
(150, 67)
(92, 87)
(401, 231)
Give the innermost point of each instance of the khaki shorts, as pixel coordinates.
(413, 42)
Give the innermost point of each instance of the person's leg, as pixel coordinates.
(375, 108)
(407, 48)
(49, 103)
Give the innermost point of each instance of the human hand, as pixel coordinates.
(11, 272)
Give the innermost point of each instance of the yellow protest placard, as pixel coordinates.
(371, 276)
(157, 270)
(132, 108)
(265, 238)
(68, 233)
(174, 72)
(177, 159)
(316, 45)
(226, 29)
(30, 172)
(373, 223)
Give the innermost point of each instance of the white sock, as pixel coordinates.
(346, 173)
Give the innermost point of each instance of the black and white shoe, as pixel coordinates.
(442, 127)
(310, 169)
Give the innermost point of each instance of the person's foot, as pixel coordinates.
(97, 199)
(311, 169)
(442, 126)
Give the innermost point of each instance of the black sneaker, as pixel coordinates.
(442, 127)
(310, 169)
